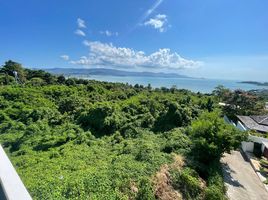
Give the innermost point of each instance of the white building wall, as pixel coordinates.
(247, 146)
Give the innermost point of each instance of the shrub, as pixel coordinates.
(188, 182)
(214, 193)
(145, 190)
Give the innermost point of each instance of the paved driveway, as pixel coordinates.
(241, 180)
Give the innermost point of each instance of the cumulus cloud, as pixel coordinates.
(81, 23)
(107, 55)
(80, 33)
(109, 33)
(65, 57)
(159, 22)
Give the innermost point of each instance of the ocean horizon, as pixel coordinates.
(202, 85)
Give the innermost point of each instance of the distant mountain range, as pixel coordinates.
(110, 72)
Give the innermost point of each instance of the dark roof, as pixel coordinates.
(254, 123)
(261, 119)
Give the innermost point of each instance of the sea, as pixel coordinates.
(193, 84)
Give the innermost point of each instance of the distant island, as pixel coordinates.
(110, 72)
(255, 83)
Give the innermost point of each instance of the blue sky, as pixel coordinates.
(224, 39)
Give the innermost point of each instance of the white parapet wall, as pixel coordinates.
(10, 182)
(249, 145)
(257, 139)
(260, 140)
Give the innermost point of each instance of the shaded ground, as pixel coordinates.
(241, 180)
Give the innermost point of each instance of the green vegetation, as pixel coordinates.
(264, 162)
(264, 168)
(83, 139)
(240, 102)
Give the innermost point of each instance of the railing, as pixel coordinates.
(11, 186)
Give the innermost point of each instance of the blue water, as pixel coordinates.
(195, 85)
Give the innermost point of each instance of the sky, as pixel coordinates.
(220, 39)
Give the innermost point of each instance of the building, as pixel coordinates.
(256, 123)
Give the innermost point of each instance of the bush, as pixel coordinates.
(176, 116)
(188, 182)
(212, 137)
(145, 190)
(214, 193)
(37, 82)
(264, 163)
(6, 79)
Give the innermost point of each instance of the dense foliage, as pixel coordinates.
(83, 139)
(240, 102)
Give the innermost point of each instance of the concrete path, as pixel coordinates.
(241, 180)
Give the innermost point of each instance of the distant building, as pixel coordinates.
(256, 123)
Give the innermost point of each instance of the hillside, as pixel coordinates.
(84, 139)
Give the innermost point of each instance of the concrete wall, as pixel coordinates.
(10, 182)
(247, 146)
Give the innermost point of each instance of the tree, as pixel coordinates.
(176, 116)
(212, 137)
(209, 105)
(35, 74)
(37, 81)
(221, 92)
(238, 102)
(241, 103)
(70, 81)
(61, 79)
(49, 78)
(173, 89)
(10, 66)
(101, 120)
(149, 87)
(6, 79)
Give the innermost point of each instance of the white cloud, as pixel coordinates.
(80, 32)
(109, 33)
(81, 23)
(65, 57)
(159, 22)
(107, 55)
(148, 13)
(152, 9)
